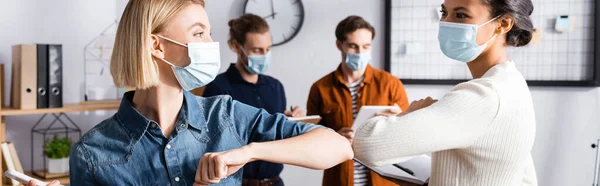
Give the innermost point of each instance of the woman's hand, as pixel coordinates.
(390, 112)
(53, 183)
(213, 167)
(420, 104)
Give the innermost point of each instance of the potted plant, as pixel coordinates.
(57, 150)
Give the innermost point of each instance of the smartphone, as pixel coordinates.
(22, 178)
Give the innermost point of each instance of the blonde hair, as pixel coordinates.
(132, 64)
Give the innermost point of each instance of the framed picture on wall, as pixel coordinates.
(412, 51)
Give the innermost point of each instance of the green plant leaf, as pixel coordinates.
(57, 147)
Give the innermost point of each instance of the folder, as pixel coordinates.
(55, 64)
(24, 76)
(42, 76)
(414, 170)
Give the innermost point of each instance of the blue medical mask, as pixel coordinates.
(205, 62)
(459, 41)
(359, 61)
(257, 64)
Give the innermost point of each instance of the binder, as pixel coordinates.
(24, 76)
(42, 76)
(55, 64)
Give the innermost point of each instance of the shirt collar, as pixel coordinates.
(130, 118)
(234, 76)
(137, 124)
(195, 112)
(368, 76)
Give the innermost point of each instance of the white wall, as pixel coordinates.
(567, 117)
(70, 23)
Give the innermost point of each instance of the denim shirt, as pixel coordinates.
(130, 149)
(266, 93)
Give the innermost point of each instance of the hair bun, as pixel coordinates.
(520, 11)
(231, 22)
(518, 37)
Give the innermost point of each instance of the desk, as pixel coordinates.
(78, 107)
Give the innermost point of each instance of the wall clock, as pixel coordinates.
(285, 17)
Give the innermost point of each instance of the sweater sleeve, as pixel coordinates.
(530, 178)
(455, 121)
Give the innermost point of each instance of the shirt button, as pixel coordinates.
(154, 125)
(168, 146)
(258, 98)
(177, 179)
(182, 125)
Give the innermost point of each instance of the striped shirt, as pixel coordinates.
(361, 173)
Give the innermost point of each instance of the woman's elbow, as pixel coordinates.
(345, 155)
(341, 147)
(346, 149)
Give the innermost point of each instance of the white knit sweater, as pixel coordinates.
(480, 134)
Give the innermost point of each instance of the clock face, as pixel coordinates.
(285, 17)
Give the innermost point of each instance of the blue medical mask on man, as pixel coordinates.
(257, 64)
(358, 61)
(459, 41)
(205, 62)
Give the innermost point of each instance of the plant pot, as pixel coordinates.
(58, 165)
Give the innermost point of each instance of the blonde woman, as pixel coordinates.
(162, 134)
(482, 132)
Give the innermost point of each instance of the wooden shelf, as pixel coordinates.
(63, 180)
(78, 107)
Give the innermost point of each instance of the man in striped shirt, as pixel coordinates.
(338, 96)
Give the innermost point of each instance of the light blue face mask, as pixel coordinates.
(459, 41)
(205, 62)
(358, 61)
(257, 64)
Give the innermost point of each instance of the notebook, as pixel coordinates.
(416, 170)
(314, 119)
(368, 112)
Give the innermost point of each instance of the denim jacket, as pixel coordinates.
(130, 149)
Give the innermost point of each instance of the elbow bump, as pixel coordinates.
(349, 152)
(346, 149)
(361, 152)
(347, 155)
